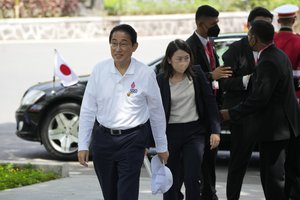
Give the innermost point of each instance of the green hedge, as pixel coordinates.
(38, 8)
(145, 7)
(12, 176)
(61, 8)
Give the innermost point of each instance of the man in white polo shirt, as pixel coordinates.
(122, 95)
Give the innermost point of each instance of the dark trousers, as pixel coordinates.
(280, 169)
(208, 186)
(186, 145)
(241, 146)
(118, 161)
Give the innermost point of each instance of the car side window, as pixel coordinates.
(221, 46)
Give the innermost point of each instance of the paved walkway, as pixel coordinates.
(82, 184)
(85, 187)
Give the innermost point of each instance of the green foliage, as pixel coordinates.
(145, 7)
(12, 176)
(7, 8)
(60, 8)
(269, 4)
(38, 8)
(112, 6)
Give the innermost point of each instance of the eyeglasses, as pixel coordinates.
(122, 45)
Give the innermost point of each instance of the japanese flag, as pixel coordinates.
(63, 71)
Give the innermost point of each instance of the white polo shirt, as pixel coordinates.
(122, 102)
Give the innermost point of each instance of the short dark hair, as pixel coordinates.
(286, 21)
(263, 30)
(206, 11)
(257, 12)
(172, 47)
(127, 29)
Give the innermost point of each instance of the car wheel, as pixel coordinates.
(60, 131)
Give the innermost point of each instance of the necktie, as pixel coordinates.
(210, 53)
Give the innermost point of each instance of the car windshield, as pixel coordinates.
(221, 44)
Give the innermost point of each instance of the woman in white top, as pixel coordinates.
(191, 114)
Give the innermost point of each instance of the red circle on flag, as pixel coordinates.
(65, 70)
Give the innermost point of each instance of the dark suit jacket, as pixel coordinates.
(205, 100)
(239, 57)
(200, 58)
(276, 112)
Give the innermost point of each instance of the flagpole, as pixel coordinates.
(53, 80)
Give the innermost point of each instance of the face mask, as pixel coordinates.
(213, 31)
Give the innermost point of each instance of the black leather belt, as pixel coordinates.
(121, 132)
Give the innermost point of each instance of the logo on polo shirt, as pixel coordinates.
(132, 89)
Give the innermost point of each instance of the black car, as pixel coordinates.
(49, 112)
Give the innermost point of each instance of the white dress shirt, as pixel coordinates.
(246, 78)
(204, 41)
(122, 102)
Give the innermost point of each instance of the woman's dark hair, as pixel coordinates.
(127, 29)
(172, 47)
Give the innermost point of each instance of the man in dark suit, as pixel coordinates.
(274, 116)
(204, 55)
(241, 58)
